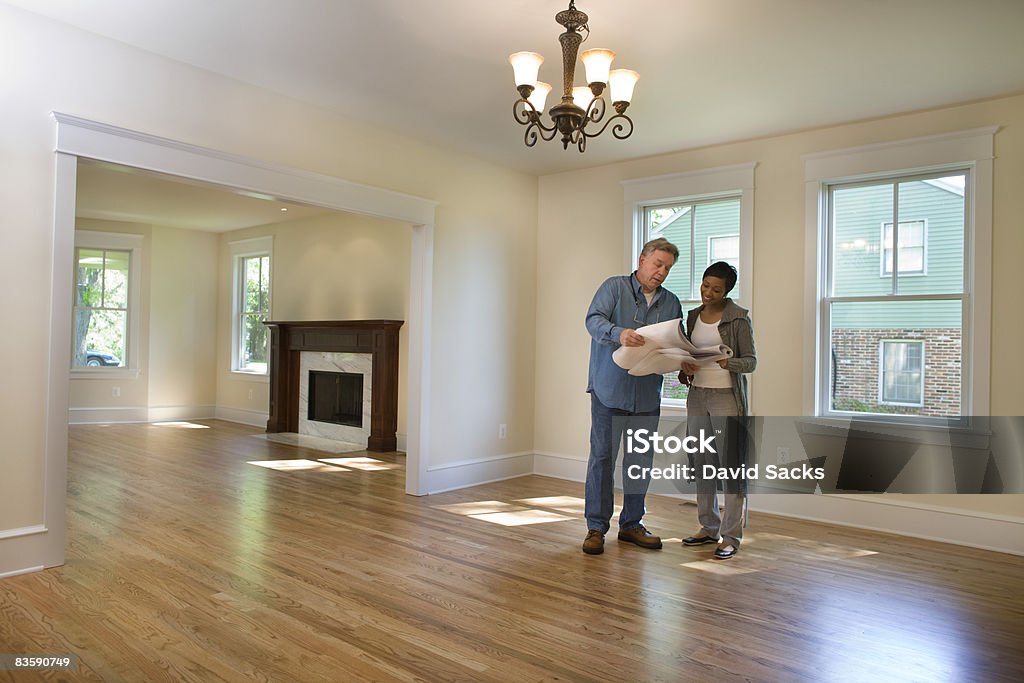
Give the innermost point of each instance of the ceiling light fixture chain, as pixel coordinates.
(580, 105)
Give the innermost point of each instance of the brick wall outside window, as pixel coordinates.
(857, 356)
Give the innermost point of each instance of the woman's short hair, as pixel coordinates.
(723, 271)
(660, 244)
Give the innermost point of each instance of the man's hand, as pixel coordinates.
(689, 368)
(724, 363)
(631, 338)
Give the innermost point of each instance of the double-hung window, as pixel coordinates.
(106, 303)
(250, 305)
(708, 216)
(898, 308)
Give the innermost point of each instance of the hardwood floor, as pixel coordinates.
(187, 563)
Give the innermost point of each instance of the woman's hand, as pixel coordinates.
(724, 363)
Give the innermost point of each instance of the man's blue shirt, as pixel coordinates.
(618, 304)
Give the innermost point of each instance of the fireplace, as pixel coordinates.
(367, 348)
(335, 397)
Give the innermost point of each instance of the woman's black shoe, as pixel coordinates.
(699, 540)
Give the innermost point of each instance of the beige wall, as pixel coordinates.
(484, 239)
(581, 240)
(182, 321)
(333, 267)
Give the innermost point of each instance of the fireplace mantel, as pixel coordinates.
(377, 337)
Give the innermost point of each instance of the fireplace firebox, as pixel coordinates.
(336, 397)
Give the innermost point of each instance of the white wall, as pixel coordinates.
(484, 236)
(581, 213)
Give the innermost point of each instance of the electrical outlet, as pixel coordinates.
(502, 431)
(783, 455)
(115, 392)
(250, 394)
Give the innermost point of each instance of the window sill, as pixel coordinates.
(975, 436)
(105, 373)
(262, 378)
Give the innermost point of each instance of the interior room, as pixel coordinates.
(230, 224)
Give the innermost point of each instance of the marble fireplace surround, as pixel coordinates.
(333, 361)
(323, 339)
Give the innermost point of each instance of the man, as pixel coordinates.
(622, 304)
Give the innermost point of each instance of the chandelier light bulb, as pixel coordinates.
(525, 65)
(622, 82)
(597, 62)
(540, 95)
(581, 97)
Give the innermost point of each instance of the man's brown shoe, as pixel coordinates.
(593, 544)
(641, 537)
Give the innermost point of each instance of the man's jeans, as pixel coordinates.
(606, 430)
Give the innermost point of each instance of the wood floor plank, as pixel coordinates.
(187, 563)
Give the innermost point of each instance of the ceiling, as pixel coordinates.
(711, 71)
(119, 193)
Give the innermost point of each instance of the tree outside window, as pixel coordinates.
(101, 307)
(253, 307)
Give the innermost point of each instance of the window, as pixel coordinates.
(708, 215)
(901, 306)
(250, 338)
(901, 379)
(725, 249)
(911, 251)
(864, 310)
(105, 309)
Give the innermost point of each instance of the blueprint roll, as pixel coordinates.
(665, 350)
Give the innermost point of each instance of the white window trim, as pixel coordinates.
(972, 149)
(881, 371)
(924, 251)
(239, 249)
(689, 186)
(132, 243)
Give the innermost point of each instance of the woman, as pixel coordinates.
(717, 400)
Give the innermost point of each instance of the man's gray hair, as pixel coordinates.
(660, 244)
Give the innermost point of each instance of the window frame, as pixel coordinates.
(970, 151)
(881, 371)
(241, 250)
(112, 241)
(694, 187)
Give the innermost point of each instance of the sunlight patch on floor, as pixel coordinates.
(180, 425)
(297, 466)
(479, 507)
(365, 464)
(520, 518)
(568, 504)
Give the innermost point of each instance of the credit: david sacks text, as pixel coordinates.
(750, 472)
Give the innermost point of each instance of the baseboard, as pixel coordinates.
(87, 416)
(403, 441)
(970, 528)
(466, 473)
(560, 466)
(135, 414)
(180, 413)
(24, 531)
(253, 418)
(18, 572)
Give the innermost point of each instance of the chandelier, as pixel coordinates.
(581, 106)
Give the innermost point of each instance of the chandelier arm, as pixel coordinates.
(617, 130)
(595, 112)
(527, 114)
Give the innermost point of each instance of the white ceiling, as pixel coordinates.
(118, 193)
(711, 71)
